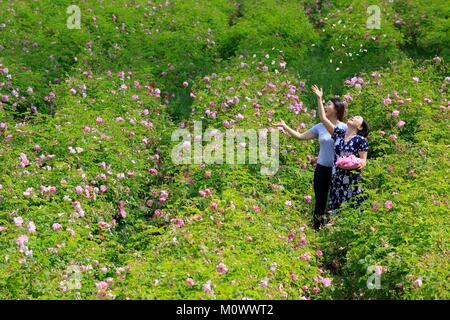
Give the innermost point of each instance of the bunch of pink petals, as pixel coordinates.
(348, 161)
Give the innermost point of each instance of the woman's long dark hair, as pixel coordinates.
(339, 107)
(364, 132)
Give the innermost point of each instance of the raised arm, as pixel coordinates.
(300, 136)
(323, 118)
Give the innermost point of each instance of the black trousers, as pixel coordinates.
(322, 184)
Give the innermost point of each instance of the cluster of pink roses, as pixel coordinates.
(348, 161)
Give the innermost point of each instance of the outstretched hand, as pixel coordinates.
(318, 92)
(281, 124)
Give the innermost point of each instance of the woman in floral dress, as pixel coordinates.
(345, 181)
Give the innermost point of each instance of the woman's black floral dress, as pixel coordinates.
(345, 182)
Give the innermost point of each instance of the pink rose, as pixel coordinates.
(207, 288)
(18, 221)
(348, 161)
(190, 282)
(79, 189)
(222, 268)
(392, 137)
(56, 226)
(31, 227)
(388, 204)
(178, 222)
(417, 283)
(23, 160)
(326, 282)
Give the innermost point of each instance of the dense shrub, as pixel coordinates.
(402, 227)
(92, 204)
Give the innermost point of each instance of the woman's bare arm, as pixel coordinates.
(308, 135)
(323, 118)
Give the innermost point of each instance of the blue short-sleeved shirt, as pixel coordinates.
(326, 152)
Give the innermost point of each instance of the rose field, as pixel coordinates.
(92, 205)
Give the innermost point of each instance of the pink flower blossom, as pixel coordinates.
(28, 192)
(23, 160)
(185, 84)
(18, 221)
(416, 79)
(22, 240)
(208, 288)
(78, 209)
(306, 256)
(392, 137)
(319, 253)
(400, 124)
(99, 120)
(388, 204)
(122, 212)
(221, 268)
(348, 161)
(303, 241)
(307, 198)
(31, 227)
(56, 226)
(157, 213)
(326, 282)
(294, 277)
(178, 222)
(213, 206)
(272, 86)
(417, 283)
(376, 74)
(395, 113)
(102, 285)
(264, 283)
(378, 270)
(190, 282)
